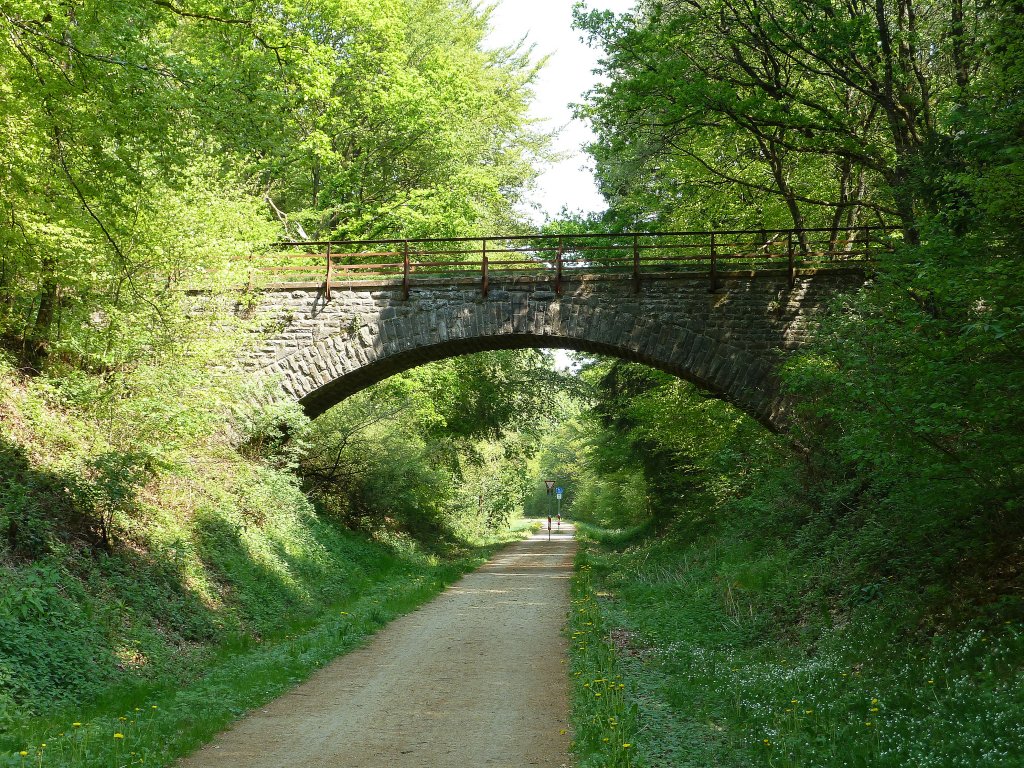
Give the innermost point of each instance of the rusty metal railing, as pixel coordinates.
(564, 257)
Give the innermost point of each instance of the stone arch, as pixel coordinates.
(335, 390)
(729, 342)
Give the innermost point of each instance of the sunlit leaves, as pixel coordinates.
(148, 144)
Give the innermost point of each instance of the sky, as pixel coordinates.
(566, 77)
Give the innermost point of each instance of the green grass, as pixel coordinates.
(161, 721)
(603, 720)
(729, 656)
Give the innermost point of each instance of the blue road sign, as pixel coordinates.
(558, 491)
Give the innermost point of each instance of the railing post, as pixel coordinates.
(327, 291)
(483, 269)
(636, 264)
(405, 271)
(792, 260)
(558, 268)
(714, 265)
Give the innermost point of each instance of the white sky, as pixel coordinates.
(564, 80)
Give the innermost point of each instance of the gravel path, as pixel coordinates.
(475, 678)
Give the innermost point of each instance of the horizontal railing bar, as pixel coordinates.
(502, 263)
(546, 265)
(442, 252)
(566, 255)
(366, 267)
(514, 268)
(587, 235)
(318, 259)
(290, 268)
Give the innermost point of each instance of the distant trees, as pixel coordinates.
(645, 447)
(439, 451)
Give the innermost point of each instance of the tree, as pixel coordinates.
(826, 108)
(153, 145)
(440, 448)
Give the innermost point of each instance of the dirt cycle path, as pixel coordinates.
(474, 678)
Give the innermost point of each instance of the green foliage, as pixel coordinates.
(730, 115)
(852, 602)
(114, 484)
(271, 431)
(649, 445)
(36, 507)
(160, 720)
(731, 657)
(151, 147)
(437, 451)
(848, 598)
(909, 413)
(850, 594)
(186, 576)
(604, 720)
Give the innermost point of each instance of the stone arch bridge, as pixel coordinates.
(726, 331)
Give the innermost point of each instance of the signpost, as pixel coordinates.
(550, 484)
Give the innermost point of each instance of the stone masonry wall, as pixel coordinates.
(729, 342)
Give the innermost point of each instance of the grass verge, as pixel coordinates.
(603, 720)
(724, 660)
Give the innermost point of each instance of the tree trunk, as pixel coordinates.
(775, 160)
(40, 337)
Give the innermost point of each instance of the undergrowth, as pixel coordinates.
(142, 611)
(156, 723)
(731, 659)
